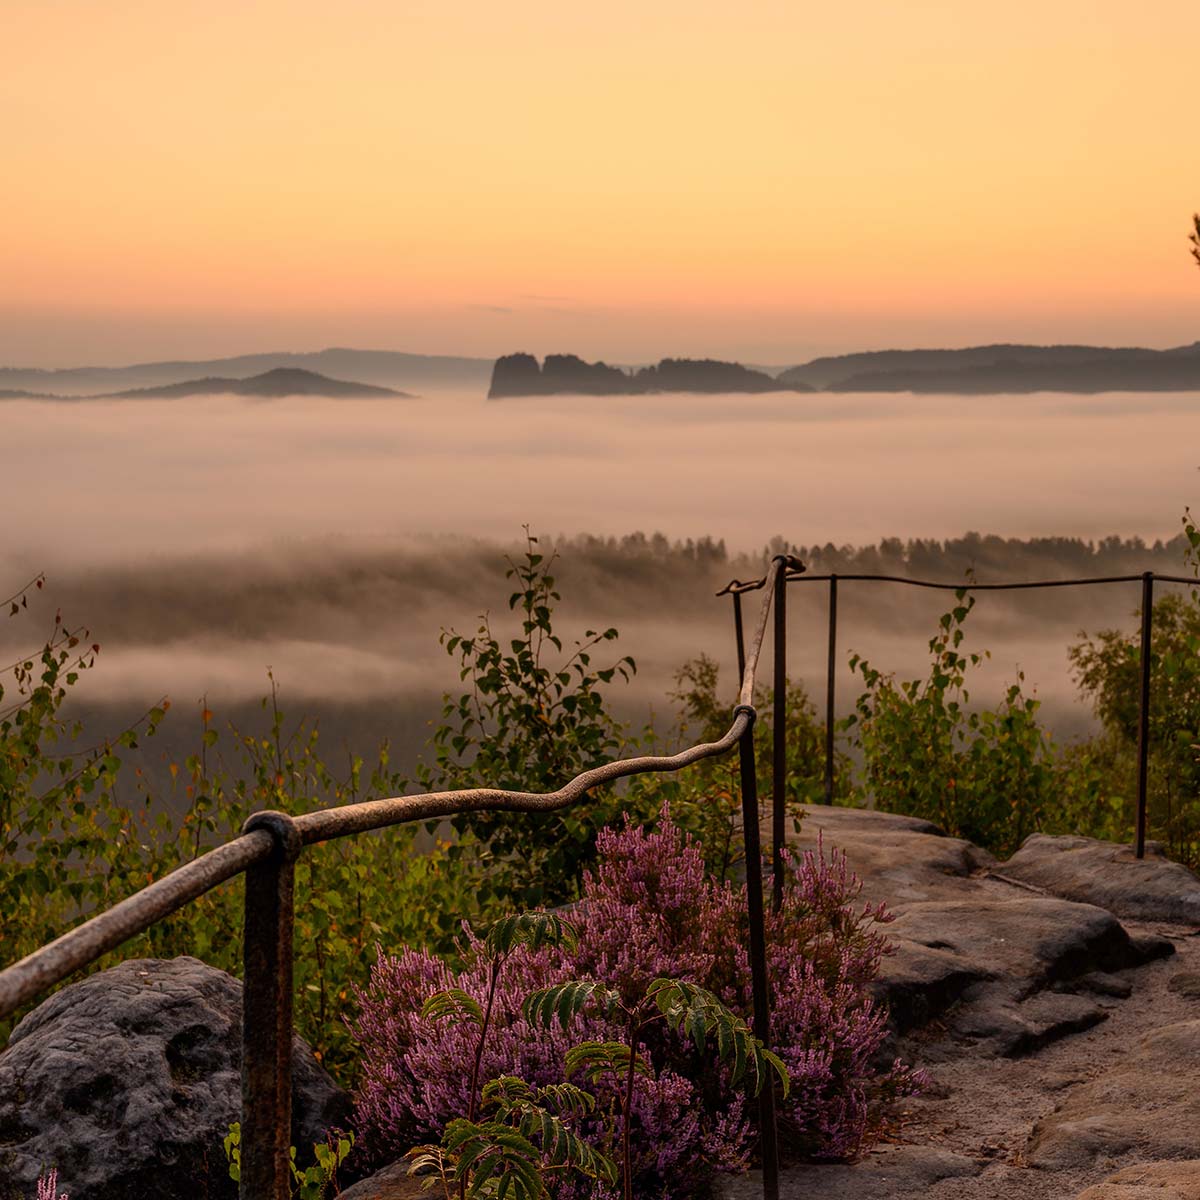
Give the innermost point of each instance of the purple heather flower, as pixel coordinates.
(649, 909)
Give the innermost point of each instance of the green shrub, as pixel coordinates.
(1108, 669)
(533, 719)
(985, 775)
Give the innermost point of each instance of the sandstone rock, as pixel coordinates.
(1149, 1181)
(901, 860)
(890, 1173)
(128, 1080)
(1108, 874)
(1019, 946)
(1185, 983)
(1150, 1102)
(392, 1183)
(1011, 1028)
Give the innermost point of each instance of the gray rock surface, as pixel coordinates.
(901, 860)
(991, 957)
(1108, 874)
(128, 1080)
(392, 1183)
(1150, 1181)
(1149, 1101)
(889, 1173)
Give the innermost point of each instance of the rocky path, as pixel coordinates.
(1062, 1036)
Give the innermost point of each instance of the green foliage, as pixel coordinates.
(311, 1183)
(985, 775)
(534, 718)
(1108, 669)
(524, 1137)
(534, 931)
(77, 834)
(682, 1006)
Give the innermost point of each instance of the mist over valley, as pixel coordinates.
(332, 539)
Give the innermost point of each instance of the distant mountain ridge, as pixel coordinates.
(384, 368)
(1005, 368)
(270, 385)
(564, 374)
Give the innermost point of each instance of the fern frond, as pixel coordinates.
(452, 1003)
(567, 1000)
(699, 1014)
(533, 929)
(594, 1059)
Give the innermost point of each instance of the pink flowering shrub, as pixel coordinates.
(47, 1187)
(650, 910)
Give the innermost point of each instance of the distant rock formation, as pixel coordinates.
(520, 375)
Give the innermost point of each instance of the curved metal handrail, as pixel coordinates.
(266, 851)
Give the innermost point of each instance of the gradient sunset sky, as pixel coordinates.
(765, 181)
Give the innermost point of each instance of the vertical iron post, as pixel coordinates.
(830, 688)
(267, 1014)
(1144, 709)
(741, 637)
(758, 950)
(779, 739)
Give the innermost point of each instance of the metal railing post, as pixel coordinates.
(739, 634)
(1144, 709)
(830, 688)
(758, 949)
(779, 738)
(267, 1014)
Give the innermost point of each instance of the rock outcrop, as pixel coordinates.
(891, 1173)
(1150, 1181)
(128, 1080)
(1150, 1101)
(567, 374)
(1108, 874)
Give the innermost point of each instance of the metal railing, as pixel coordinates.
(271, 842)
(778, 582)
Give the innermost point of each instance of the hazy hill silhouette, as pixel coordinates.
(385, 368)
(283, 381)
(560, 374)
(1005, 368)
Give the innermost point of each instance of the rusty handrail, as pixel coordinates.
(266, 851)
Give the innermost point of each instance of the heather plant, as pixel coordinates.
(685, 1008)
(47, 1187)
(649, 916)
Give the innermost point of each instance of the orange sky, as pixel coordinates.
(626, 179)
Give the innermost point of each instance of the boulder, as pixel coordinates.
(889, 1173)
(994, 955)
(1149, 1181)
(1108, 874)
(1149, 1102)
(392, 1183)
(128, 1080)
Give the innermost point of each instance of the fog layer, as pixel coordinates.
(206, 541)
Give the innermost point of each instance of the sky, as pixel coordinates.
(765, 181)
